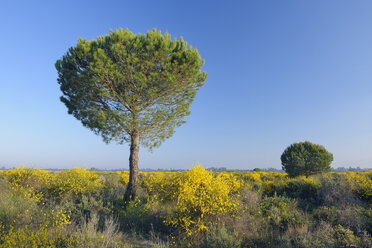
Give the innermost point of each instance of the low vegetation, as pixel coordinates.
(193, 208)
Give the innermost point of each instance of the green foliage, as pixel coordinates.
(327, 214)
(13, 205)
(321, 236)
(24, 224)
(122, 83)
(304, 188)
(367, 219)
(299, 188)
(282, 212)
(334, 190)
(305, 158)
(220, 237)
(351, 217)
(137, 217)
(234, 214)
(90, 235)
(345, 237)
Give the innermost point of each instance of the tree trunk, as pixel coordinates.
(130, 193)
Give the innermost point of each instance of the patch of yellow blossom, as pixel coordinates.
(37, 183)
(201, 198)
(361, 183)
(48, 234)
(28, 181)
(158, 184)
(75, 181)
(124, 177)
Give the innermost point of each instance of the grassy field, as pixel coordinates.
(194, 208)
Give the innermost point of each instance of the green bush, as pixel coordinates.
(282, 212)
(344, 237)
(367, 220)
(305, 158)
(14, 206)
(89, 234)
(334, 190)
(303, 189)
(220, 237)
(321, 236)
(142, 217)
(327, 214)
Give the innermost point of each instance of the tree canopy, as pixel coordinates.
(133, 88)
(306, 158)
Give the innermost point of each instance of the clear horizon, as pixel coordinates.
(279, 72)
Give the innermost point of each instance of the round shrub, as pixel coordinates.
(306, 158)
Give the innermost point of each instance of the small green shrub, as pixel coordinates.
(90, 235)
(327, 214)
(282, 212)
(15, 207)
(344, 237)
(334, 190)
(220, 237)
(321, 236)
(367, 220)
(140, 217)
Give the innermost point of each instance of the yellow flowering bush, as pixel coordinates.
(37, 184)
(201, 197)
(272, 176)
(293, 187)
(152, 181)
(48, 234)
(29, 181)
(124, 177)
(361, 183)
(159, 184)
(259, 177)
(275, 182)
(252, 177)
(75, 181)
(262, 180)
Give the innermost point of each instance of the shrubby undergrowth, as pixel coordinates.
(194, 208)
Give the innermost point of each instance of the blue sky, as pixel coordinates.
(278, 72)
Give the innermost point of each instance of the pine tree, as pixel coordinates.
(306, 158)
(131, 88)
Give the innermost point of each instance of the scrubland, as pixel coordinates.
(193, 208)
